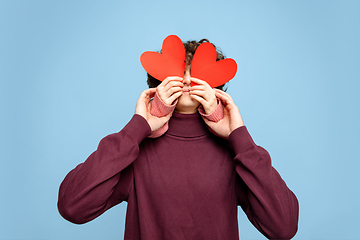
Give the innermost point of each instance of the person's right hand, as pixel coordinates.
(143, 109)
(170, 89)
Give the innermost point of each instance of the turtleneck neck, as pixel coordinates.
(187, 125)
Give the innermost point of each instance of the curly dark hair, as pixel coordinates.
(190, 48)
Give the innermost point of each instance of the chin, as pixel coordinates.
(186, 104)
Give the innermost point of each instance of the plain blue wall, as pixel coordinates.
(70, 75)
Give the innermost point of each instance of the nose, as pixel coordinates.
(186, 79)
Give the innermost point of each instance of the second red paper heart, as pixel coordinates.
(205, 67)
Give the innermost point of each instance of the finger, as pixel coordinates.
(199, 81)
(226, 99)
(199, 99)
(166, 89)
(206, 95)
(175, 90)
(172, 94)
(148, 93)
(200, 93)
(169, 79)
(143, 102)
(223, 93)
(173, 87)
(173, 83)
(175, 96)
(206, 92)
(223, 98)
(218, 91)
(165, 119)
(199, 87)
(208, 122)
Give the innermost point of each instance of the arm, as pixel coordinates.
(89, 189)
(105, 178)
(269, 204)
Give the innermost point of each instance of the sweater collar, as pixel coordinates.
(187, 125)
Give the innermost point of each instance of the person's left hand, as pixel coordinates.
(232, 118)
(204, 94)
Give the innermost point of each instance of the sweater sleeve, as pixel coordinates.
(267, 201)
(160, 109)
(106, 177)
(216, 115)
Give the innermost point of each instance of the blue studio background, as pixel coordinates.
(70, 74)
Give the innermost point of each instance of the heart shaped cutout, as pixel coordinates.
(170, 62)
(205, 67)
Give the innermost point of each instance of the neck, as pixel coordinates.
(186, 111)
(187, 125)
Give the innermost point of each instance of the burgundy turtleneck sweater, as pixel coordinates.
(186, 184)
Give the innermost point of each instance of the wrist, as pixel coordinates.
(216, 115)
(159, 108)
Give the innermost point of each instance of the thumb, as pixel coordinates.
(211, 125)
(208, 122)
(166, 118)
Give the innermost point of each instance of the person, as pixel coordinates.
(184, 170)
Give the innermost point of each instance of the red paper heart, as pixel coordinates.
(171, 62)
(205, 67)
